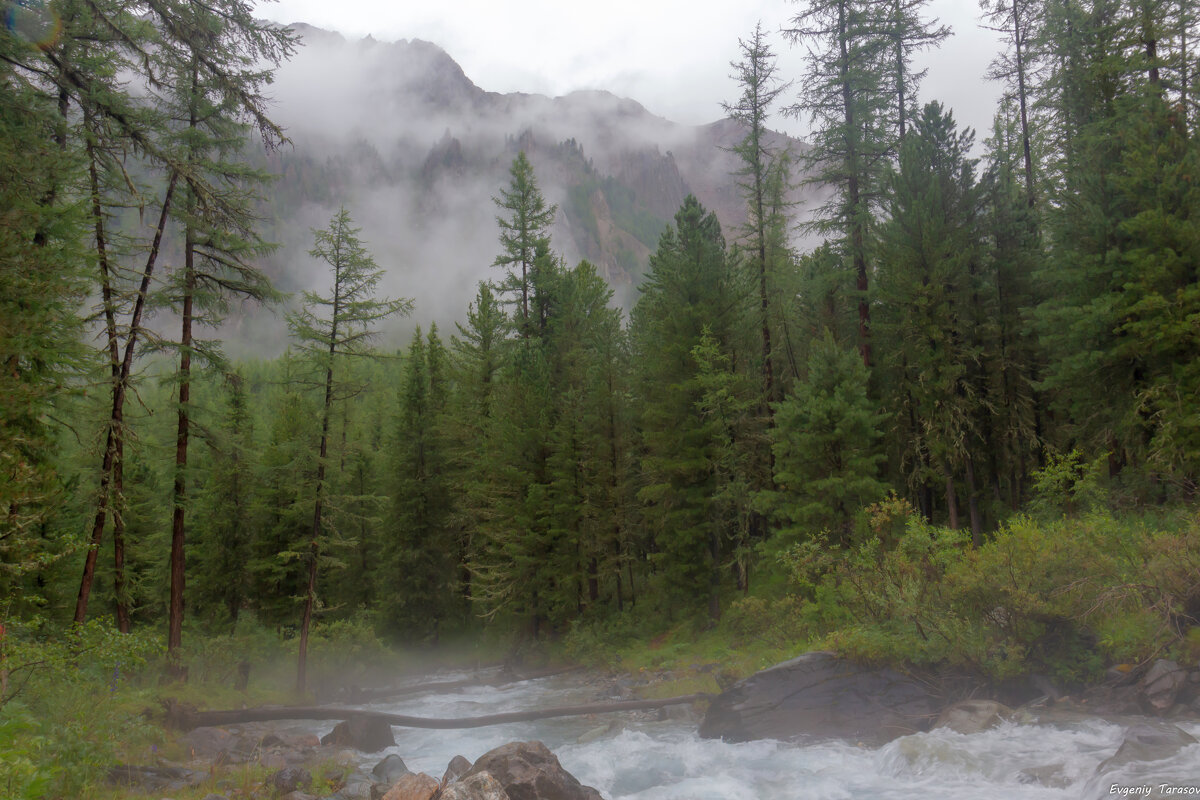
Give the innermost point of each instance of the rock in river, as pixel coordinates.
(529, 771)
(820, 695)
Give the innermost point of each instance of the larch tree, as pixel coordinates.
(220, 244)
(847, 95)
(328, 328)
(759, 176)
(526, 259)
(1019, 23)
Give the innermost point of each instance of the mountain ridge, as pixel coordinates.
(416, 150)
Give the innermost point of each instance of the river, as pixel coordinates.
(636, 756)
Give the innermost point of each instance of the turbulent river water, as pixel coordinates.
(639, 757)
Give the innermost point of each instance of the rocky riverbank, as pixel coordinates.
(299, 766)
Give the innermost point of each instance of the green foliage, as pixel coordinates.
(67, 711)
(1067, 486)
(1062, 597)
(826, 448)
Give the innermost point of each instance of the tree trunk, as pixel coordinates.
(973, 505)
(178, 519)
(117, 414)
(857, 216)
(1022, 100)
(310, 593)
(951, 502)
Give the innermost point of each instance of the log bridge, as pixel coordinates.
(184, 718)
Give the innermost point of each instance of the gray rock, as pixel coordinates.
(368, 734)
(598, 732)
(208, 742)
(153, 779)
(479, 786)
(390, 769)
(973, 716)
(1147, 742)
(457, 767)
(1053, 776)
(529, 771)
(1161, 686)
(355, 790)
(820, 695)
(215, 797)
(289, 779)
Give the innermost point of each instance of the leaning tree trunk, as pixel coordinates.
(178, 516)
(117, 414)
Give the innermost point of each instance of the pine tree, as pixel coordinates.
(328, 328)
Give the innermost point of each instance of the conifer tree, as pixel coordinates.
(524, 236)
(329, 328)
(688, 289)
(927, 297)
(827, 453)
(762, 172)
(847, 95)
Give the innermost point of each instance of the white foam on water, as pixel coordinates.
(634, 757)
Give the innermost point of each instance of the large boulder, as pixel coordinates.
(390, 770)
(1161, 686)
(368, 734)
(529, 771)
(1147, 741)
(413, 786)
(819, 695)
(457, 767)
(478, 786)
(973, 716)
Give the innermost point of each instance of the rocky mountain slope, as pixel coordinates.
(416, 151)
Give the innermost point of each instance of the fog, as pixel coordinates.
(415, 151)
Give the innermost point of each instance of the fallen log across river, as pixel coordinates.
(501, 679)
(184, 718)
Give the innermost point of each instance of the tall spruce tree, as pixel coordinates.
(928, 293)
(689, 289)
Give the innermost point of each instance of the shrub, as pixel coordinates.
(68, 706)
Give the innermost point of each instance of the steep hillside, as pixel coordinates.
(415, 150)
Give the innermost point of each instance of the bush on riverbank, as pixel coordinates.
(1063, 597)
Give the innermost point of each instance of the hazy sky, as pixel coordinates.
(670, 55)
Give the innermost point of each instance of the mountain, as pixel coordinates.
(401, 136)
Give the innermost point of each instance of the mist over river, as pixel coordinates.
(643, 756)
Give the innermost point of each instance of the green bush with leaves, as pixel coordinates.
(68, 705)
(1062, 598)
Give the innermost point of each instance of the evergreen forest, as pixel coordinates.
(979, 392)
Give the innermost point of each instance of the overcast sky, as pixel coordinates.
(670, 55)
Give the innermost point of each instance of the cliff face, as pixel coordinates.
(416, 151)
